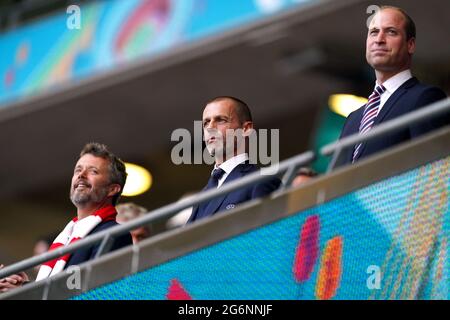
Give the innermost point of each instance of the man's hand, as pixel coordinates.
(13, 281)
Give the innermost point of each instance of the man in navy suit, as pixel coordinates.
(97, 183)
(227, 122)
(391, 42)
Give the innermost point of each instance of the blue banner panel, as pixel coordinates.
(101, 35)
(385, 241)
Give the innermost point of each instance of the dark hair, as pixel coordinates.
(241, 108)
(117, 172)
(410, 26)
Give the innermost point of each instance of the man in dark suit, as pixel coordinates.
(97, 183)
(390, 46)
(227, 122)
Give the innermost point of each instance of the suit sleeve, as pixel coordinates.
(265, 188)
(119, 242)
(429, 96)
(345, 129)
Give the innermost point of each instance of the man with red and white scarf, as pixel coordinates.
(97, 183)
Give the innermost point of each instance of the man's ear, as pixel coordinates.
(247, 127)
(411, 45)
(114, 189)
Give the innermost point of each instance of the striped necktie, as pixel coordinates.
(370, 113)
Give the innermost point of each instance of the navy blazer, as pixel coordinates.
(410, 96)
(89, 253)
(232, 199)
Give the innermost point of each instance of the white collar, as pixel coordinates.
(232, 163)
(394, 82)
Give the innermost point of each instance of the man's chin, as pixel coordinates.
(213, 150)
(380, 63)
(79, 199)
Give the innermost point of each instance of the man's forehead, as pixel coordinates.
(89, 160)
(388, 17)
(217, 108)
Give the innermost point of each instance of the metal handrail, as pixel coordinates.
(417, 116)
(164, 212)
(288, 166)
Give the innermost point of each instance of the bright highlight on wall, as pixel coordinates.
(344, 104)
(139, 180)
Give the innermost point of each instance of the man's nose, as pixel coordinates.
(211, 125)
(82, 173)
(380, 37)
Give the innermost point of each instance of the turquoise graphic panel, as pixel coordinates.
(385, 241)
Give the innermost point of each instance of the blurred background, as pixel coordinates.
(127, 73)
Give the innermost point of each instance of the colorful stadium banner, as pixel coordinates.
(46, 54)
(385, 241)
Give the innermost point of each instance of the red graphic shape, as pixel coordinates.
(307, 249)
(177, 292)
(148, 9)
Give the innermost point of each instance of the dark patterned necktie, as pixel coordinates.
(214, 179)
(370, 113)
(203, 209)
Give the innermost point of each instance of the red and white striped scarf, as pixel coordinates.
(74, 231)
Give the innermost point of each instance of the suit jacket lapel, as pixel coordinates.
(390, 103)
(237, 172)
(354, 129)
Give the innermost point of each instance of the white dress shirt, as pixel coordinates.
(229, 166)
(392, 84)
